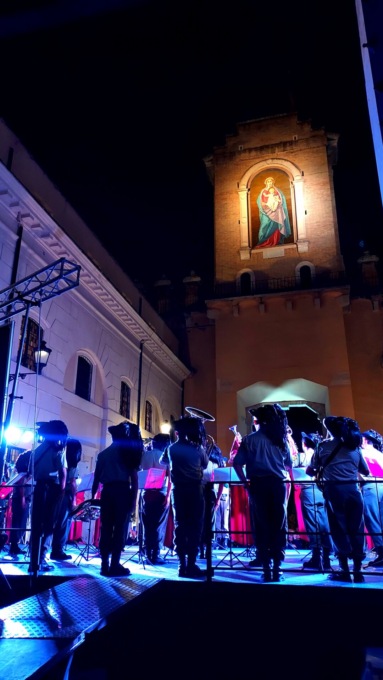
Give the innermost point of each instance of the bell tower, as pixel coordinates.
(283, 323)
(274, 202)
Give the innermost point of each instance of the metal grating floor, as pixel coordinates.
(70, 609)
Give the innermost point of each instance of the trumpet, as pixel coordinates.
(236, 441)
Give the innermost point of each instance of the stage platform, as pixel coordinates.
(71, 616)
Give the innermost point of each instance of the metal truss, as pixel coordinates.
(47, 283)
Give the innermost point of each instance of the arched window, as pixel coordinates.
(148, 417)
(125, 400)
(84, 378)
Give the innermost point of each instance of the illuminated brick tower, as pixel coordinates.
(283, 324)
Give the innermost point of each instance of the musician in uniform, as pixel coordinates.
(116, 469)
(372, 491)
(267, 457)
(344, 500)
(188, 458)
(155, 502)
(313, 507)
(21, 502)
(210, 492)
(49, 471)
(62, 527)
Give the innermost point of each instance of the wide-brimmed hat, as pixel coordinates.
(52, 428)
(161, 441)
(313, 438)
(374, 437)
(336, 424)
(265, 412)
(120, 431)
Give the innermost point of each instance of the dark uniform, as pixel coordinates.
(188, 458)
(344, 500)
(62, 528)
(21, 502)
(116, 469)
(155, 502)
(49, 471)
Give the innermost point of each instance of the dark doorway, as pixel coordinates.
(303, 419)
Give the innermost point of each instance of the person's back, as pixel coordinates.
(372, 490)
(187, 459)
(21, 499)
(343, 460)
(155, 502)
(264, 458)
(49, 469)
(267, 458)
(117, 470)
(312, 505)
(62, 527)
(187, 462)
(345, 466)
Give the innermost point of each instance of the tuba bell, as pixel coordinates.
(198, 413)
(193, 412)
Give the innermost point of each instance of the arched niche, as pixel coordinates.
(305, 273)
(245, 282)
(294, 187)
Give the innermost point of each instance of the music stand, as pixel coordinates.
(87, 511)
(229, 475)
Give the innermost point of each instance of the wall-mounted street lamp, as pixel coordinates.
(165, 427)
(42, 355)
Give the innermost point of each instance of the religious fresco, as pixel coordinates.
(270, 201)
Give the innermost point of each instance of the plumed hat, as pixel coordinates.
(53, 429)
(120, 431)
(266, 412)
(336, 425)
(311, 439)
(161, 441)
(375, 438)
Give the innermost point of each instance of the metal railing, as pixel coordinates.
(359, 286)
(239, 552)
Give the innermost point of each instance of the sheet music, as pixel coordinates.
(153, 478)
(86, 482)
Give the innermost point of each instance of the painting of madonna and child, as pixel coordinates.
(270, 199)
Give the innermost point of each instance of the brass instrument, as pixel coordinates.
(210, 443)
(87, 510)
(236, 441)
(198, 413)
(204, 416)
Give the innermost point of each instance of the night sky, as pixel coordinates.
(119, 101)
